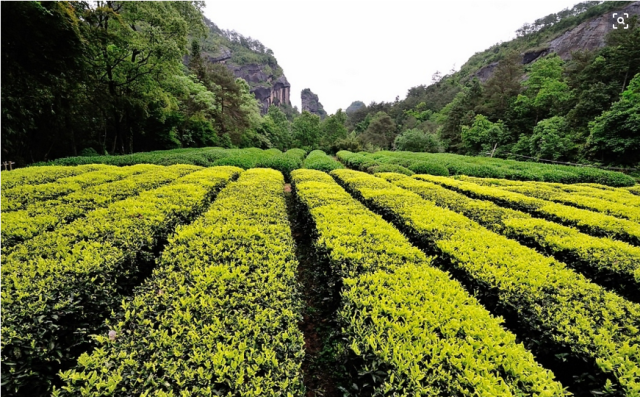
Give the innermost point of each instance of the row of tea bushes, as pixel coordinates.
(589, 203)
(202, 157)
(59, 286)
(594, 223)
(444, 164)
(205, 157)
(286, 162)
(219, 315)
(635, 190)
(611, 263)
(19, 226)
(405, 319)
(320, 161)
(561, 312)
(39, 175)
(20, 197)
(615, 195)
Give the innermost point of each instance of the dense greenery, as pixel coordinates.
(124, 77)
(401, 317)
(111, 78)
(445, 164)
(69, 280)
(581, 110)
(218, 307)
(552, 305)
(234, 311)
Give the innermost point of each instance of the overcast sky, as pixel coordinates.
(371, 50)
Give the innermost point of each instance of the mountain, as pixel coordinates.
(355, 105)
(311, 104)
(250, 60)
(559, 91)
(588, 35)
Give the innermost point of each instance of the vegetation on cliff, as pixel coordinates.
(578, 110)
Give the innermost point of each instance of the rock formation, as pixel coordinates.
(355, 105)
(311, 104)
(266, 90)
(589, 35)
(250, 60)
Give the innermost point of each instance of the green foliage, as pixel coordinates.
(333, 130)
(593, 223)
(391, 294)
(69, 204)
(230, 281)
(613, 264)
(428, 167)
(554, 304)
(277, 128)
(318, 160)
(415, 140)
(389, 168)
(284, 162)
(307, 131)
(380, 132)
(483, 135)
(351, 143)
(485, 167)
(92, 262)
(550, 139)
(615, 135)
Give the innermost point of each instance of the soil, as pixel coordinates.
(316, 324)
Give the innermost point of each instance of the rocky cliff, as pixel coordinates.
(589, 35)
(311, 104)
(250, 60)
(267, 89)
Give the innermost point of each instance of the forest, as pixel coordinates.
(585, 110)
(86, 79)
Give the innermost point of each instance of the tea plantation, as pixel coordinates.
(248, 272)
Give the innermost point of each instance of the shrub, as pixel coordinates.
(425, 167)
(390, 168)
(318, 160)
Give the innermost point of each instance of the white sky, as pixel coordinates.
(371, 50)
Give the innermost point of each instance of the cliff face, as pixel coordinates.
(250, 60)
(267, 89)
(311, 104)
(589, 35)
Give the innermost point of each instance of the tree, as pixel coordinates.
(415, 140)
(132, 47)
(459, 112)
(625, 50)
(615, 134)
(550, 139)
(333, 129)
(483, 135)
(549, 93)
(277, 128)
(43, 80)
(380, 132)
(307, 131)
(503, 86)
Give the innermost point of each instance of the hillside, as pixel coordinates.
(249, 59)
(562, 90)
(577, 29)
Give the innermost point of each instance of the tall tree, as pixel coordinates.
(307, 131)
(615, 135)
(502, 87)
(133, 46)
(381, 131)
(43, 77)
(333, 129)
